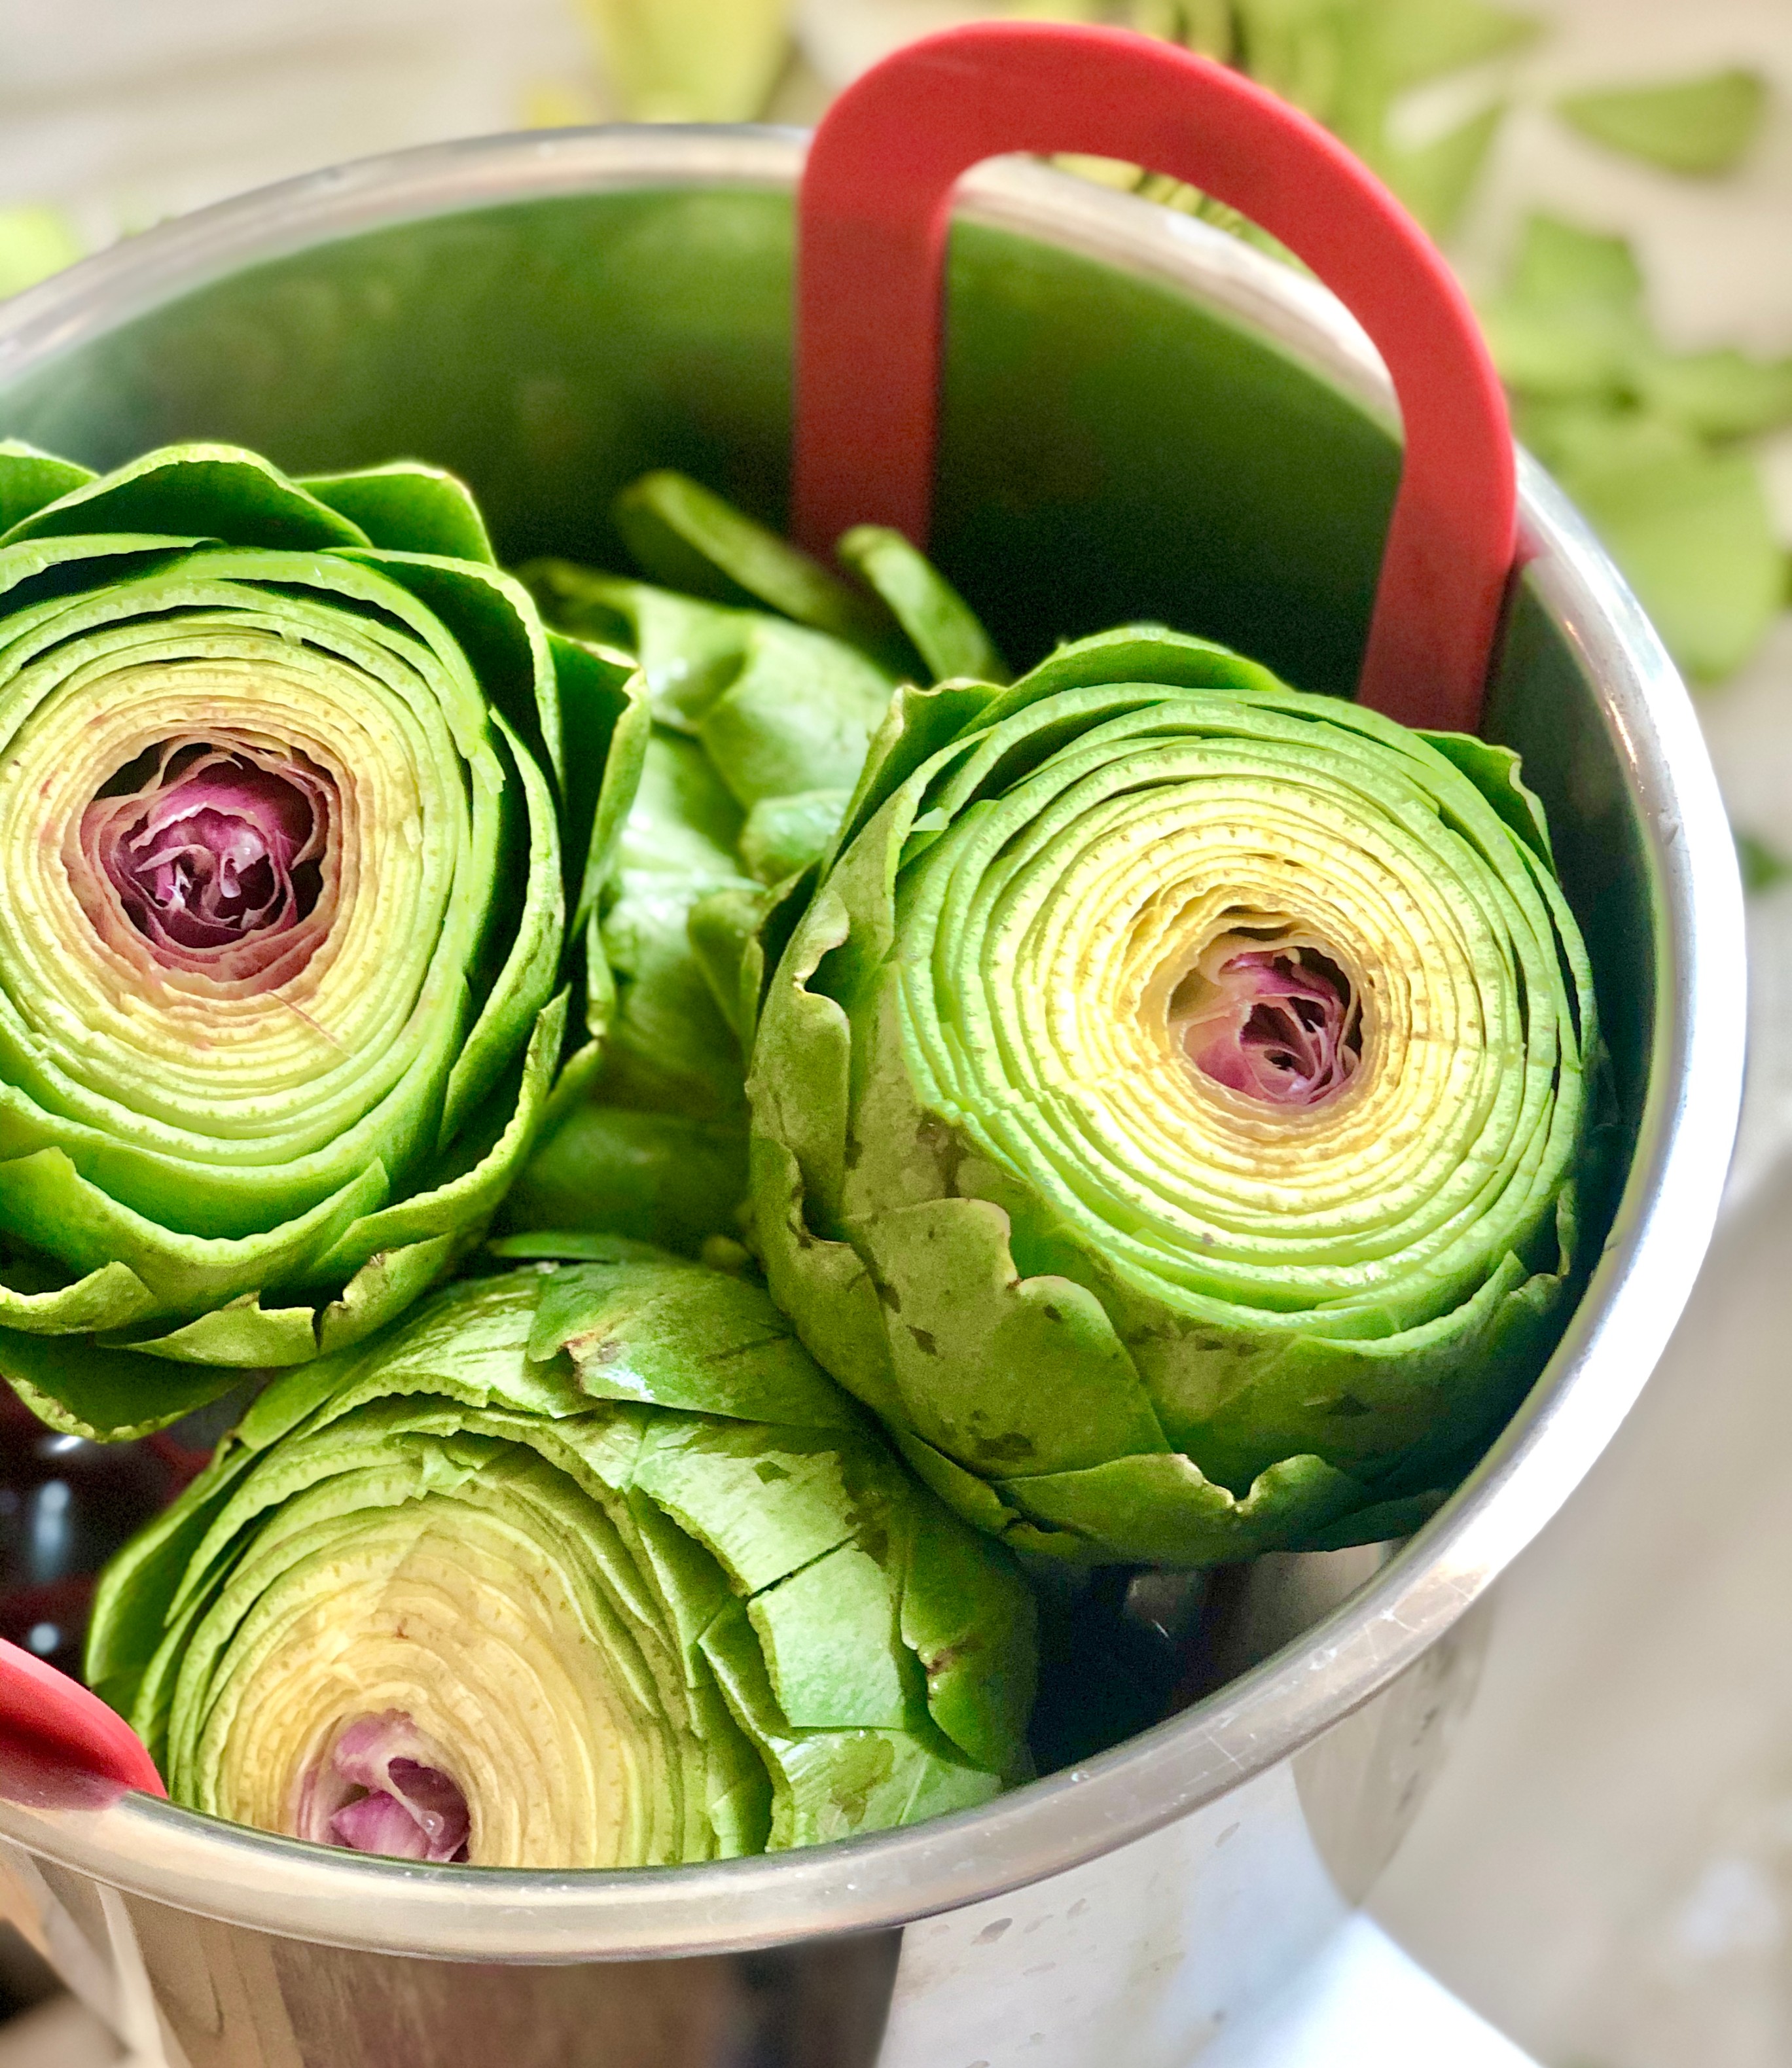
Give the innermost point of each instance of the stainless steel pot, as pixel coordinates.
(1142, 416)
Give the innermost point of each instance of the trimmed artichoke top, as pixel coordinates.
(1170, 1111)
(296, 796)
(583, 1564)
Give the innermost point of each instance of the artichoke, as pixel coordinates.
(767, 677)
(1171, 1114)
(582, 1564)
(297, 793)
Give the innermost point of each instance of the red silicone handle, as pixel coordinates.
(48, 1716)
(874, 208)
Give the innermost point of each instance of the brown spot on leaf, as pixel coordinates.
(949, 1654)
(592, 1348)
(941, 1142)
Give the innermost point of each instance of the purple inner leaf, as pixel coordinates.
(220, 857)
(381, 1791)
(1281, 1024)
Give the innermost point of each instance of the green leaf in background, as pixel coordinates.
(1208, 26)
(1435, 179)
(35, 243)
(1696, 125)
(1720, 394)
(691, 60)
(1348, 64)
(1421, 40)
(1693, 532)
(1762, 866)
(1642, 439)
(1561, 266)
(1570, 323)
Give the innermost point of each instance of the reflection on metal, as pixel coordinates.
(1166, 1886)
(1361, 2003)
(1142, 1957)
(1361, 1784)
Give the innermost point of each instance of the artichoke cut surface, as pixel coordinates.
(1171, 1112)
(584, 1564)
(297, 794)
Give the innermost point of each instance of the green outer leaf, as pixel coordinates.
(491, 620)
(813, 1628)
(1055, 1389)
(825, 1648)
(29, 479)
(1704, 125)
(109, 1396)
(383, 1288)
(604, 704)
(723, 931)
(204, 490)
(1494, 769)
(671, 1048)
(682, 821)
(961, 1600)
(653, 1176)
(799, 715)
(783, 836)
(408, 507)
(688, 537)
(942, 626)
(242, 1335)
(1164, 1511)
(111, 1296)
(673, 1334)
(688, 651)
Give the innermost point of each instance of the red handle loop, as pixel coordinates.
(47, 1715)
(874, 209)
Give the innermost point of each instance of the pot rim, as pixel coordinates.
(1657, 1240)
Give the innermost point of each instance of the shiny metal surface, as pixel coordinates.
(1587, 688)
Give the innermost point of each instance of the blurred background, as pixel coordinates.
(1606, 1869)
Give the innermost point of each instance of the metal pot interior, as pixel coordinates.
(1175, 430)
